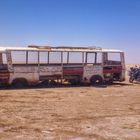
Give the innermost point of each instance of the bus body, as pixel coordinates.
(35, 64)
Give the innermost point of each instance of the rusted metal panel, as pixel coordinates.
(30, 73)
(112, 69)
(30, 77)
(25, 69)
(90, 70)
(50, 70)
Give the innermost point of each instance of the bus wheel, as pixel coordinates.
(96, 80)
(19, 83)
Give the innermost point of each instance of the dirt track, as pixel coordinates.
(72, 113)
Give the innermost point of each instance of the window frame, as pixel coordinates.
(47, 61)
(27, 57)
(49, 52)
(87, 57)
(68, 57)
(17, 63)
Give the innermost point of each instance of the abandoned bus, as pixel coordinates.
(36, 64)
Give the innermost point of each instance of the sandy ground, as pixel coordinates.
(71, 113)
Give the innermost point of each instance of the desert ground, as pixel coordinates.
(71, 113)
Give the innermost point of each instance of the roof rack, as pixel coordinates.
(69, 47)
(39, 47)
(65, 47)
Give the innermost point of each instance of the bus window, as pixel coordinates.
(75, 57)
(43, 57)
(99, 58)
(54, 57)
(18, 57)
(32, 57)
(114, 58)
(90, 58)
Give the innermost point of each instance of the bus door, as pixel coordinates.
(113, 65)
(93, 66)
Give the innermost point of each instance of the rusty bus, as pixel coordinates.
(35, 64)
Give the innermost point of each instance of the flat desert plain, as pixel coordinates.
(71, 113)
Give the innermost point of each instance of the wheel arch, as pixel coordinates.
(19, 79)
(96, 77)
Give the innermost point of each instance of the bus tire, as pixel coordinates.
(19, 83)
(96, 80)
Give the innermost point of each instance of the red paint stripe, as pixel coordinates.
(112, 71)
(73, 72)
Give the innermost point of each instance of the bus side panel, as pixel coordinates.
(91, 70)
(45, 72)
(30, 73)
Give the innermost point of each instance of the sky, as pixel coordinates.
(112, 24)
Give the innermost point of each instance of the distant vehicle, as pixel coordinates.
(28, 66)
(134, 74)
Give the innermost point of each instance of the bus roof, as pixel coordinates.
(59, 48)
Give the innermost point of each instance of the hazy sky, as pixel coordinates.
(105, 23)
